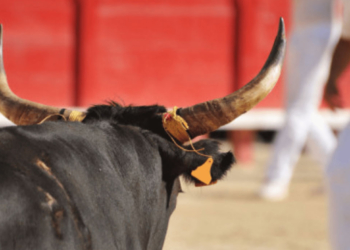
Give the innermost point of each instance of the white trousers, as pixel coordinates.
(315, 32)
(338, 177)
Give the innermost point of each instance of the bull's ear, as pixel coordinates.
(222, 161)
(177, 161)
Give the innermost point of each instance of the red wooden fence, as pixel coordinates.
(39, 49)
(137, 52)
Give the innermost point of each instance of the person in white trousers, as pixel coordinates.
(316, 29)
(338, 169)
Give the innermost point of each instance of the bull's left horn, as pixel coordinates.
(24, 112)
(209, 116)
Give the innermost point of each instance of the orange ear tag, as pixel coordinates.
(202, 173)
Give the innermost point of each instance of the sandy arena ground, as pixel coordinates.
(230, 216)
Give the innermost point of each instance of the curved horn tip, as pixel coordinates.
(278, 49)
(241, 100)
(281, 29)
(1, 51)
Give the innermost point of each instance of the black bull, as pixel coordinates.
(110, 182)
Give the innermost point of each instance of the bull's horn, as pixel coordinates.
(24, 112)
(209, 116)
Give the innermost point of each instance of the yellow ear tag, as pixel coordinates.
(202, 173)
(175, 125)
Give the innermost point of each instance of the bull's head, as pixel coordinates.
(201, 118)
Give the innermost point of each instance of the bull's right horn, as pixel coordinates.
(24, 112)
(208, 116)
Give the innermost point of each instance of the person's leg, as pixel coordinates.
(286, 151)
(311, 44)
(338, 178)
(321, 141)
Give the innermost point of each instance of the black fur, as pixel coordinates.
(146, 117)
(149, 118)
(110, 182)
(176, 161)
(222, 161)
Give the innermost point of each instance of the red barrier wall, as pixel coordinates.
(176, 52)
(167, 52)
(39, 38)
